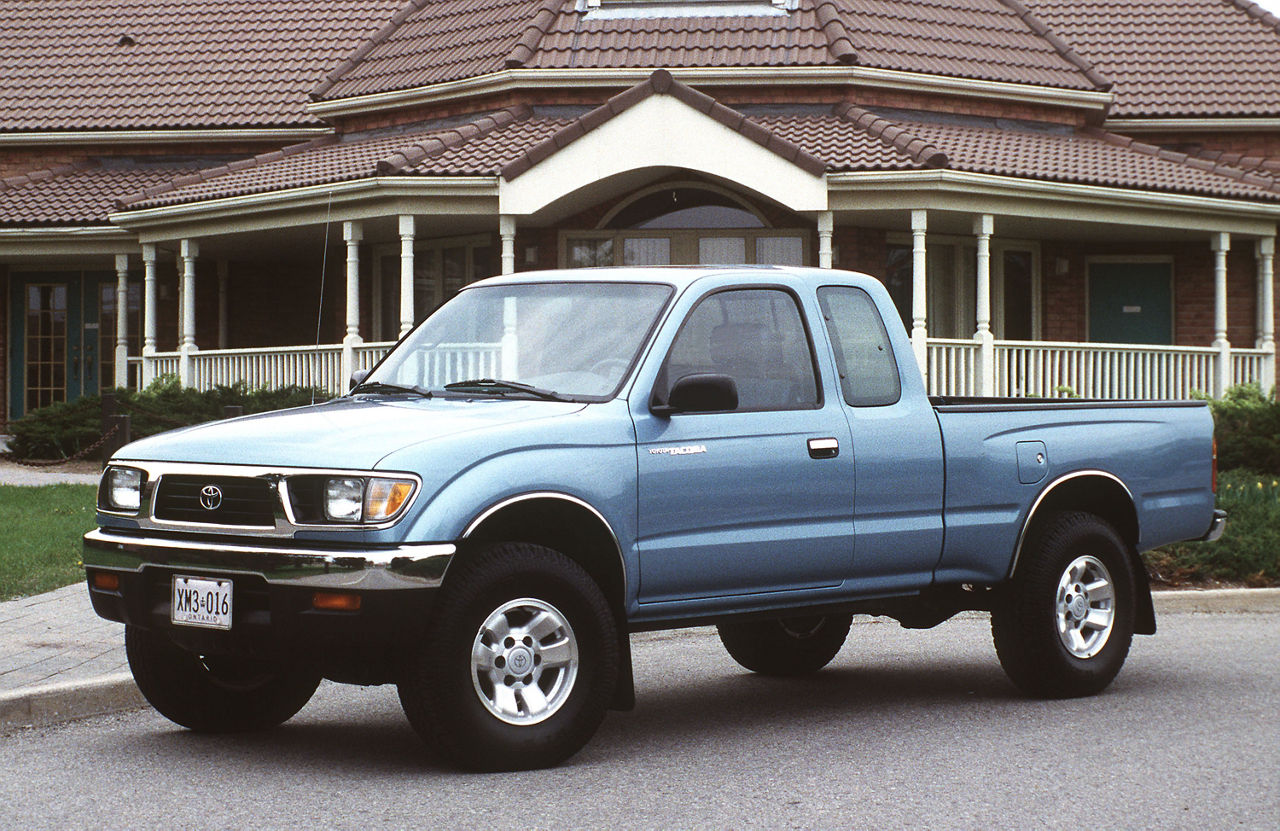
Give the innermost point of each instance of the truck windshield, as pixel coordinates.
(572, 341)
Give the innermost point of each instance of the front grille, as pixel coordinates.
(237, 500)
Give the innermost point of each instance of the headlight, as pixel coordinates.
(354, 500)
(121, 490)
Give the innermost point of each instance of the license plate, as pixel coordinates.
(199, 601)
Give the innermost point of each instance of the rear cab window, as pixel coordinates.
(864, 355)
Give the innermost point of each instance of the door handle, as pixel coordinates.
(824, 448)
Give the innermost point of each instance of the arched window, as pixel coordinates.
(681, 208)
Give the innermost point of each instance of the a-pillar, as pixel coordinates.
(826, 228)
(189, 251)
(353, 233)
(148, 315)
(1221, 244)
(122, 322)
(407, 235)
(507, 231)
(919, 299)
(1266, 258)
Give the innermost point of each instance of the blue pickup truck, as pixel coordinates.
(555, 460)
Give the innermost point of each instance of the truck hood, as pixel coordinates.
(348, 433)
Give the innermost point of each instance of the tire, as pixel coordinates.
(1064, 625)
(216, 693)
(788, 646)
(513, 608)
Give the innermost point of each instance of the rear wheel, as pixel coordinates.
(519, 664)
(787, 646)
(1064, 626)
(215, 693)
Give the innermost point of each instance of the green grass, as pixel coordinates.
(1249, 551)
(40, 531)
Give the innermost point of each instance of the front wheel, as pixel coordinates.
(215, 693)
(519, 663)
(1064, 626)
(787, 646)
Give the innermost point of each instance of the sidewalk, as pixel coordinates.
(59, 661)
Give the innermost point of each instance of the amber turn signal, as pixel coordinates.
(106, 581)
(336, 601)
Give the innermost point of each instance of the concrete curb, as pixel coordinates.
(56, 703)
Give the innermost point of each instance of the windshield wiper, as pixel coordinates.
(379, 386)
(493, 386)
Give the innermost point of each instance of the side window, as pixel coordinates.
(864, 356)
(757, 338)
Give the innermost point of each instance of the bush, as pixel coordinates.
(1249, 551)
(1247, 426)
(63, 430)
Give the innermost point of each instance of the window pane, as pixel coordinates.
(722, 250)
(779, 251)
(589, 253)
(864, 356)
(646, 251)
(672, 208)
(757, 338)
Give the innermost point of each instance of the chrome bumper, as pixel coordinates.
(403, 567)
(1216, 527)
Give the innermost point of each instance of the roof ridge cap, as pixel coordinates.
(894, 135)
(19, 180)
(1193, 160)
(372, 42)
(661, 82)
(1258, 13)
(447, 138)
(533, 34)
(1061, 46)
(839, 39)
(223, 169)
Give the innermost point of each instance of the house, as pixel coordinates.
(1071, 193)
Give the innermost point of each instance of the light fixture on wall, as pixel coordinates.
(530, 254)
(1061, 265)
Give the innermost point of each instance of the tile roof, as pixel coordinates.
(1176, 57)
(433, 41)
(477, 146)
(82, 193)
(849, 138)
(144, 64)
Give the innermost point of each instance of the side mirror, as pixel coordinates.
(357, 378)
(703, 392)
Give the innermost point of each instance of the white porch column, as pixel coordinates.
(919, 300)
(983, 226)
(507, 230)
(148, 315)
(190, 249)
(826, 229)
(407, 235)
(1221, 244)
(1266, 257)
(353, 233)
(122, 321)
(223, 315)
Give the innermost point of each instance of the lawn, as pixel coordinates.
(40, 531)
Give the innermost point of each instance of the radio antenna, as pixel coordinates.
(324, 267)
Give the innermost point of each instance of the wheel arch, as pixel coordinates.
(1106, 496)
(577, 530)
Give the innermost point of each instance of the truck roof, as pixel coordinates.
(679, 276)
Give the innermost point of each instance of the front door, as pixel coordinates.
(1131, 302)
(55, 337)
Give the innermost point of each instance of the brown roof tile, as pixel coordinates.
(1176, 57)
(135, 64)
(83, 193)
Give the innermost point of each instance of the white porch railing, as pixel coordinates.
(952, 365)
(1093, 370)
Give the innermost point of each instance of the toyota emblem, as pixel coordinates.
(210, 497)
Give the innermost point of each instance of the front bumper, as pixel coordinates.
(275, 585)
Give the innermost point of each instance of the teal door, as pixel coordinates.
(1131, 303)
(54, 337)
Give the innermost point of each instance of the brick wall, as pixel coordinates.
(18, 160)
(4, 344)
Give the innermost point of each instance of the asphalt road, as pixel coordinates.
(904, 730)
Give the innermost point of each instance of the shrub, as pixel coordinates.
(1247, 426)
(63, 430)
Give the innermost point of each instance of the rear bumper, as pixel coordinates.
(1216, 527)
(274, 586)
